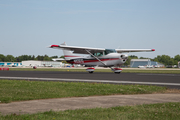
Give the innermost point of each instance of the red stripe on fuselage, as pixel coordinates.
(71, 56)
(88, 61)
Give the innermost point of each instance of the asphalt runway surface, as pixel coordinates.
(169, 80)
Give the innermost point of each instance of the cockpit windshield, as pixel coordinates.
(107, 51)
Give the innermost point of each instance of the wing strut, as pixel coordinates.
(115, 70)
(95, 57)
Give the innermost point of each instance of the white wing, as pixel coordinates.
(134, 50)
(82, 50)
(79, 50)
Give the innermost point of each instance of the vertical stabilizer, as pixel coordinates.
(68, 54)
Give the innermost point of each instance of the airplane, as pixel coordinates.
(112, 58)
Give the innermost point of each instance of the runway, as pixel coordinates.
(169, 80)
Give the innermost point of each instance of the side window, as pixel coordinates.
(98, 54)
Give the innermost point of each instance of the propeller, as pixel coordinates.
(124, 56)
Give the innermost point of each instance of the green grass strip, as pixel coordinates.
(18, 90)
(161, 111)
(165, 71)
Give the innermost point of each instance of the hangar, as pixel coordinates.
(144, 62)
(11, 64)
(30, 63)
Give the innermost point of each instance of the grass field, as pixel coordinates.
(162, 111)
(161, 71)
(19, 90)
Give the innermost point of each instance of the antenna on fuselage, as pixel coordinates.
(63, 43)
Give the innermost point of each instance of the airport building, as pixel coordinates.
(11, 64)
(135, 63)
(31, 63)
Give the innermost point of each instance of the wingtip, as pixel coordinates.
(54, 46)
(153, 49)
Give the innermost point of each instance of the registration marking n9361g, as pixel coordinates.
(79, 61)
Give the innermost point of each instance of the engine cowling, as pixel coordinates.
(124, 57)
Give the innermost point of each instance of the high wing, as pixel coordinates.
(134, 50)
(78, 50)
(83, 50)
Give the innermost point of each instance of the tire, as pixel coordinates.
(117, 72)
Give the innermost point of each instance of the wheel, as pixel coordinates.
(117, 72)
(90, 71)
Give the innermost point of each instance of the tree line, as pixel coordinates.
(167, 60)
(11, 58)
(164, 59)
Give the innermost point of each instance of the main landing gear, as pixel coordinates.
(90, 70)
(115, 70)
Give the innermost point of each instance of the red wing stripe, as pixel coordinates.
(54, 45)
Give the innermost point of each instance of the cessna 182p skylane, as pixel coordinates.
(111, 58)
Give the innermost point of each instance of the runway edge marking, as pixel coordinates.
(86, 80)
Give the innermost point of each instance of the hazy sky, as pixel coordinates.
(29, 26)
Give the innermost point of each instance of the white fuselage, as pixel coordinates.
(112, 59)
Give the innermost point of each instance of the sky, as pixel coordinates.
(28, 27)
